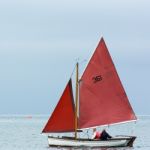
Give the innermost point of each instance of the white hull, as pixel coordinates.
(70, 142)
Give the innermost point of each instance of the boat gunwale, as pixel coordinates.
(87, 139)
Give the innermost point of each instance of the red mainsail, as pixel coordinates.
(102, 98)
(63, 117)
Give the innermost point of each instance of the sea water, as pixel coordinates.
(24, 133)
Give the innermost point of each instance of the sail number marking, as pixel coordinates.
(97, 78)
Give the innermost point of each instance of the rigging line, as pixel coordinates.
(133, 128)
(77, 60)
(73, 71)
(80, 62)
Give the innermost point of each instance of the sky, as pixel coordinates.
(41, 40)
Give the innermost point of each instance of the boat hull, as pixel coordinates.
(123, 141)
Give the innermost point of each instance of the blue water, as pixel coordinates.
(24, 133)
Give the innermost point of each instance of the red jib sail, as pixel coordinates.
(103, 100)
(63, 117)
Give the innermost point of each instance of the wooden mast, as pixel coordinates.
(76, 102)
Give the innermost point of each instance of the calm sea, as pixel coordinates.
(24, 133)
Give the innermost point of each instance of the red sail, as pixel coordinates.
(63, 117)
(102, 97)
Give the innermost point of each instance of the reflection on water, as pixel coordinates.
(24, 133)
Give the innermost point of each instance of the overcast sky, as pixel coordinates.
(40, 41)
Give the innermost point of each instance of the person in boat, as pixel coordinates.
(101, 135)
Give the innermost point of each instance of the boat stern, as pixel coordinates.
(131, 141)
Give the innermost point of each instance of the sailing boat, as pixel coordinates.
(100, 100)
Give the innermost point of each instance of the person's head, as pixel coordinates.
(94, 129)
(103, 130)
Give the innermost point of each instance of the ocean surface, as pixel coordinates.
(24, 133)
